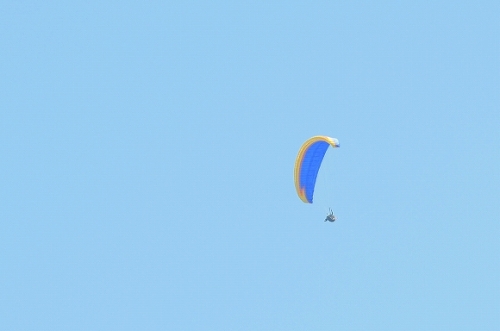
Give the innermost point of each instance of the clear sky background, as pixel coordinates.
(147, 154)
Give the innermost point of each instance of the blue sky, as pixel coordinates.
(148, 153)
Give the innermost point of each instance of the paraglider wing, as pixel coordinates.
(308, 163)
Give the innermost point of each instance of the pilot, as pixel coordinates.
(330, 217)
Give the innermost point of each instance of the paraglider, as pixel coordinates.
(307, 166)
